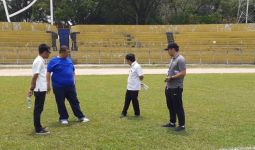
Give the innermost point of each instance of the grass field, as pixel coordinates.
(219, 108)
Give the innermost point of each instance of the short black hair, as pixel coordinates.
(43, 47)
(173, 45)
(63, 48)
(130, 57)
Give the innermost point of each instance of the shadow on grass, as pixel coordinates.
(34, 135)
(55, 125)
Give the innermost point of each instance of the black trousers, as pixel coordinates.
(131, 96)
(38, 109)
(69, 93)
(175, 106)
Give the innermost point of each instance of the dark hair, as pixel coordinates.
(43, 47)
(173, 45)
(130, 57)
(63, 49)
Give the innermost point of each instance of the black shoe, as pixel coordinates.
(137, 116)
(122, 116)
(169, 125)
(180, 128)
(42, 132)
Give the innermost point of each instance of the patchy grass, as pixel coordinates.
(219, 109)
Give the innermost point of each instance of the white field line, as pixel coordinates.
(239, 148)
(125, 71)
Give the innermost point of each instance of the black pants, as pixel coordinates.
(70, 94)
(131, 96)
(38, 108)
(175, 106)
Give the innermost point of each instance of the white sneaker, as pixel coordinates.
(84, 120)
(64, 122)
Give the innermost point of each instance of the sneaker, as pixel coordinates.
(42, 132)
(169, 125)
(84, 119)
(122, 116)
(45, 128)
(64, 122)
(180, 128)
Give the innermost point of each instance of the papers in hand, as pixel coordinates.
(145, 87)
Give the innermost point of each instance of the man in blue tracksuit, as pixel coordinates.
(62, 73)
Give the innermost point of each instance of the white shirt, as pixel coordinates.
(39, 68)
(134, 82)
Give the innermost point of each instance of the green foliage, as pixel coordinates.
(2, 13)
(40, 11)
(182, 18)
(199, 11)
(127, 11)
(13, 6)
(206, 19)
(76, 11)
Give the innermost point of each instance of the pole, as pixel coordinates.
(6, 11)
(23, 9)
(51, 12)
(247, 11)
(238, 12)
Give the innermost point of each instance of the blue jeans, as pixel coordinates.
(69, 93)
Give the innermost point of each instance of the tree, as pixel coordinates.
(15, 5)
(41, 11)
(32, 14)
(142, 10)
(2, 12)
(229, 9)
(198, 11)
(76, 11)
(127, 11)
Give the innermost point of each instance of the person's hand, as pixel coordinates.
(48, 88)
(30, 93)
(168, 78)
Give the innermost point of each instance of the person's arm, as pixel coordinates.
(33, 84)
(181, 74)
(74, 74)
(48, 76)
(74, 77)
(37, 66)
(140, 73)
(141, 77)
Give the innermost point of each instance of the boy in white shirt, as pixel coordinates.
(39, 87)
(133, 85)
